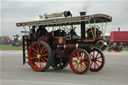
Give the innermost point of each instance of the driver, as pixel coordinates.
(92, 32)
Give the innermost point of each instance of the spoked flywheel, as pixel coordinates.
(97, 60)
(40, 56)
(79, 61)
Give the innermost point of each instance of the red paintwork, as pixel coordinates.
(43, 38)
(32, 61)
(96, 60)
(6, 38)
(77, 67)
(119, 36)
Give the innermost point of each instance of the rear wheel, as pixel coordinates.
(97, 60)
(79, 61)
(40, 56)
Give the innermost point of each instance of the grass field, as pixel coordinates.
(10, 47)
(126, 48)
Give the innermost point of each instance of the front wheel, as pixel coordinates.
(79, 61)
(97, 60)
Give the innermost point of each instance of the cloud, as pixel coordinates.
(27, 10)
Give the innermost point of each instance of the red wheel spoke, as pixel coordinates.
(79, 63)
(35, 50)
(77, 54)
(34, 58)
(38, 56)
(94, 65)
(43, 60)
(83, 66)
(99, 61)
(97, 55)
(74, 55)
(44, 55)
(40, 64)
(85, 62)
(80, 67)
(77, 57)
(97, 64)
(91, 63)
(74, 60)
(93, 53)
(77, 66)
(35, 54)
(85, 58)
(38, 60)
(42, 50)
(39, 46)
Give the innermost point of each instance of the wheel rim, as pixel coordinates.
(38, 56)
(79, 61)
(97, 60)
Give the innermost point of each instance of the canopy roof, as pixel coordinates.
(97, 18)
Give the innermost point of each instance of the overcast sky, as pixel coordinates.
(27, 10)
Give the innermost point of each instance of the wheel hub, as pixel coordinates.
(94, 59)
(38, 56)
(78, 61)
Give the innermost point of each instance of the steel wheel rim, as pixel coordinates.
(96, 60)
(79, 61)
(38, 56)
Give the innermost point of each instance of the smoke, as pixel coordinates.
(86, 6)
(12, 12)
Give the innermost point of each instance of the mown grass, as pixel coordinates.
(10, 47)
(125, 48)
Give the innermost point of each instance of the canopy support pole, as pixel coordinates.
(83, 26)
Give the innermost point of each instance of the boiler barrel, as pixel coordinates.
(75, 46)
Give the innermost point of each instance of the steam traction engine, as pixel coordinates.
(55, 42)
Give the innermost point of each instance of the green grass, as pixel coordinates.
(125, 48)
(10, 47)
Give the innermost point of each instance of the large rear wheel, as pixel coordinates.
(40, 56)
(79, 61)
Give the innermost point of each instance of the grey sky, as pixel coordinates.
(27, 10)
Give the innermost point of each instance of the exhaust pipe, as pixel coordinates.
(53, 15)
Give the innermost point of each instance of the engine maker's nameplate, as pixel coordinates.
(63, 21)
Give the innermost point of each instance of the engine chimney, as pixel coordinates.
(118, 28)
(82, 26)
(82, 13)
